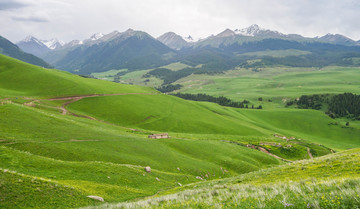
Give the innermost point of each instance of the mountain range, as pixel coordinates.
(134, 50)
(38, 47)
(12, 50)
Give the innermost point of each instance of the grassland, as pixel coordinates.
(277, 53)
(51, 159)
(21, 79)
(108, 75)
(328, 182)
(277, 84)
(42, 149)
(165, 113)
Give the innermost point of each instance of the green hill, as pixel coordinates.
(41, 149)
(21, 79)
(61, 148)
(170, 114)
(328, 182)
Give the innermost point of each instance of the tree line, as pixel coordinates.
(340, 105)
(221, 100)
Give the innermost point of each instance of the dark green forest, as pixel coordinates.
(336, 106)
(221, 100)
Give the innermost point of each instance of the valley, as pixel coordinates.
(81, 137)
(252, 118)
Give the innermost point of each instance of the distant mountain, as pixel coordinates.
(174, 41)
(136, 50)
(130, 49)
(226, 33)
(12, 50)
(33, 46)
(337, 39)
(53, 43)
(38, 47)
(256, 31)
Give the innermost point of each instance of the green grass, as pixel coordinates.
(24, 191)
(94, 158)
(277, 53)
(165, 113)
(277, 84)
(176, 66)
(21, 79)
(137, 78)
(108, 75)
(328, 182)
(52, 160)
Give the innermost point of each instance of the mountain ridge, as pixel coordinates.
(10, 49)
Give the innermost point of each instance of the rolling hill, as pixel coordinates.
(64, 137)
(327, 182)
(42, 149)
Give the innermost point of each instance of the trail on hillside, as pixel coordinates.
(309, 153)
(73, 99)
(261, 149)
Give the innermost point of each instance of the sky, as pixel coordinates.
(78, 19)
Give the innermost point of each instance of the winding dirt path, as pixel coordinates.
(73, 99)
(261, 149)
(309, 153)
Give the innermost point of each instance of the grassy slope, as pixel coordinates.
(277, 53)
(81, 154)
(327, 182)
(21, 79)
(165, 113)
(34, 141)
(275, 83)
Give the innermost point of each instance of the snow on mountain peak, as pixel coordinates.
(29, 38)
(53, 43)
(96, 36)
(249, 31)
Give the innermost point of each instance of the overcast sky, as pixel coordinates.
(79, 19)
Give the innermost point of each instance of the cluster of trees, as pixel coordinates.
(315, 101)
(169, 88)
(340, 105)
(345, 105)
(221, 100)
(169, 76)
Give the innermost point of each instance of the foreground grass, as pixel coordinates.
(332, 181)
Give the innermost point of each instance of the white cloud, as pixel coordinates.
(68, 19)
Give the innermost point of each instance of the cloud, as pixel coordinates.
(69, 19)
(10, 5)
(30, 19)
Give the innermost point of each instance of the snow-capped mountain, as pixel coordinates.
(256, 31)
(116, 50)
(33, 46)
(96, 36)
(53, 43)
(38, 47)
